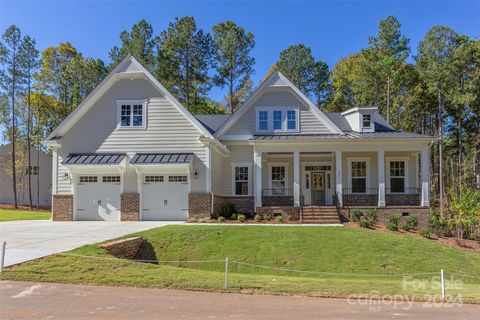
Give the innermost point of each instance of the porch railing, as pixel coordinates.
(367, 198)
(277, 197)
(409, 197)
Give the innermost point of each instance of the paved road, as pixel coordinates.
(27, 240)
(27, 300)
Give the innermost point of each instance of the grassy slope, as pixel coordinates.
(12, 214)
(310, 248)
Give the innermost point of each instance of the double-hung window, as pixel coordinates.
(263, 120)
(278, 180)
(397, 176)
(291, 120)
(132, 114)
(359, 176)
(241, 179)
(367, 121)
(277, 120)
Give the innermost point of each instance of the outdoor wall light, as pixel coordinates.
(195, 175)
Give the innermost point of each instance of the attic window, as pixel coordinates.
(131, 114)
(367, 123)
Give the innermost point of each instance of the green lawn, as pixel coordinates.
(339, 250)
(12, 214)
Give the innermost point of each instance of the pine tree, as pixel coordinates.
(234, 65)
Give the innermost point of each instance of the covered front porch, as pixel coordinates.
(302, 176)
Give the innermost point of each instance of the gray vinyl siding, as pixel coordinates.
(309, 123)
(167, 131)
(217, 172)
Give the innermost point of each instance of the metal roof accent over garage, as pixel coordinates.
(93, 158)
(161, 158)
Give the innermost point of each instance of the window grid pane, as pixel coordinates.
(263, 120)
(125, 115)
(291, 120)
(241, 181)
(277, 120)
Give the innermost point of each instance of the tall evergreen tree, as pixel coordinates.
(12, 79)
(434, 62)
(311, 77)
(234, 65)
(139, 42)
(29, 64)
(384, 62)
(184, 58)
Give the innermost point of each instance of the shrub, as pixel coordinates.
(289, 217)
(425, 233)
(392, 226)
(412, 221)
(233, 216)
(221, 219)
(279, 219)
(372, 215)
(355, 215)
(257, 218)
(267, 217)
(241, 218)
(394, 219)
(364, 222)
(406, 227)
(227, 210)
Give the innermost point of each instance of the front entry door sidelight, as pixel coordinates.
(318, 188)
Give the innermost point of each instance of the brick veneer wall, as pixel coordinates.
(199, 205)
(294, 212)
(243, 204)
(130, 207)
(124, 248)
(385, 212)
(62, 207)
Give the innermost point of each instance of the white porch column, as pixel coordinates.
(425, 178)
(381, 178)
(257, 160)
(338, 168)
(296, 179)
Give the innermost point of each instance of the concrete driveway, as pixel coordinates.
(28, 240)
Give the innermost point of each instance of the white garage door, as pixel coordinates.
(165, 197)
(98, 198)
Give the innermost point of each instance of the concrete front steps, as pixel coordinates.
(320, 215)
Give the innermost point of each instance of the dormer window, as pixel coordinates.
(132, 114)
(367, 123)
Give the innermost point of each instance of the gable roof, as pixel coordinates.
(279, 80)
(128, 67)
(212, 121)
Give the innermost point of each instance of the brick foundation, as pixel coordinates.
(385, 212)
(294, 212)
(243, 204)
(199, 205)
(130, 207)
(62, 207)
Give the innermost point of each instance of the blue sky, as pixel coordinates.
(332, 29)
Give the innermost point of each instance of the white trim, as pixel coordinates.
(358, 109)
(250, 176)
(144, 104)
(208, 170)
(388, 182)
(265, 84)
(277, 164)
(54, 172)
(349, 171)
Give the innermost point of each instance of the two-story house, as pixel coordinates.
(131, 151)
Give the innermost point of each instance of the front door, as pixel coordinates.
(318, 188)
